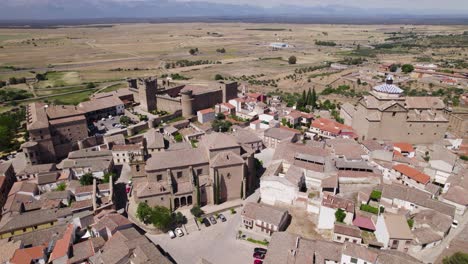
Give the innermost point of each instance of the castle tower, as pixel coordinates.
(147, 88)
(229, 91)
(187, 103)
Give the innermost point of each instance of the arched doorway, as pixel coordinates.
(189, 199)
(183, 201)
(176, 203)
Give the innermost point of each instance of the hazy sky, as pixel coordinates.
(460, 5)
(416, 4)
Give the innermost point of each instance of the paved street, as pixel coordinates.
(216, 244)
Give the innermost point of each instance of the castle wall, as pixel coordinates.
(169, 105)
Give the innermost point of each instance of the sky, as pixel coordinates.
(410, 4)
(44, 9)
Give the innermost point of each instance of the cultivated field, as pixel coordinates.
(72, 57)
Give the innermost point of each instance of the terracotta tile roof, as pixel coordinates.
(206, 111)
(265, 213)
(27, 255)
(404, 147)
(62, 246)
(347, 230)
(112, 222)
(364, 222)
(128, 147)
(397, 226)
(331, 126)
(335, 202)
(412, 173)
(84, 189)
(78, 205)
(457, 195)
(82, 251)
(360, 252)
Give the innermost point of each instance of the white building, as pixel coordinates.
(331, 204)
(280, 186)
(393, 232)
(206, 115)
(356, 254)
(123, 154)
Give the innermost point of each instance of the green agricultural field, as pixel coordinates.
(71, 99)
(114, 87)
(44, 92)
(57, 79)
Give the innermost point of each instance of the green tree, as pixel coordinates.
(196, 211)
(90, 85)
(106, 177)
(144, 212)
(178, 137)
(314, 98)
(161, 217)
(13, 81)
(393, 68)
(86, 179)
(340, 215)
(292, 60)
(61, 187)
(179, 219)
(407, 68)
(457, 258)
(218, 77)
(41, 77)
(309, 97)
(125, 120)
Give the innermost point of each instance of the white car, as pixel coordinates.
(171, 234)
(454, 224)
(179, 232)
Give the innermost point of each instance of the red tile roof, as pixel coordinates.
(364, 222)
(27, 255)
(332, 126)
(62, 246)
(404, 147)
(412, 173)
(206, 111)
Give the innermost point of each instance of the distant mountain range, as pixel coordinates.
(193, 10)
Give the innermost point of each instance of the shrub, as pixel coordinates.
(292, 60)
(407, 68)
(340, 215)
(196, 211)
(370, 209)
(233, 211)
(178, 137)
(218, 77)
(90, 85)
(456, 258)
(86, 179)
(410, 223)
(376, 195)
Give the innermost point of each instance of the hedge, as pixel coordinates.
(370, 209)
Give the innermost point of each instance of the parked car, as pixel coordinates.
(171, 234)
(179, 232)
(212, 220)
(258, 255)
(222, 217)
(206, 222)
(454, 224)
(258, 261)
(260, 250)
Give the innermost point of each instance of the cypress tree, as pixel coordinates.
(314, 98)
(309, 98)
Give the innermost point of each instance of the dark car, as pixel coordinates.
(258, 255)
(260, 250)
(258, 261)
(222, 217)
(206, 222)
(212, 220)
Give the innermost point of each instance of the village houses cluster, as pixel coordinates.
(385, 183)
